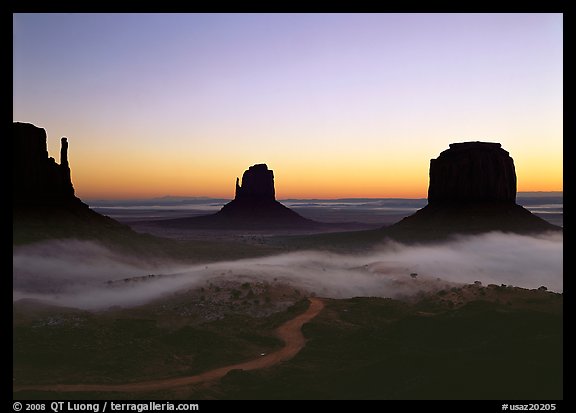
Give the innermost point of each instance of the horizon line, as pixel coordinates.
(200, 197)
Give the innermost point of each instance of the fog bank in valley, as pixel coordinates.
(85, 274)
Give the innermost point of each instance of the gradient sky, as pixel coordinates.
(338, 105)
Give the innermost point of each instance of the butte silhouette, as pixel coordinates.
(44, 204)
(253, 207)
(472, 190)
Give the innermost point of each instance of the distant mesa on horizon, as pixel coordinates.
(472, 190)
(253, 207)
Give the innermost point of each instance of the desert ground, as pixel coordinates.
(235, 321)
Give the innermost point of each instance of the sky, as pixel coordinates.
(338, 105)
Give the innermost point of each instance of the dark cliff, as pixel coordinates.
(472, 190)
(44, 204)
(257, 184)
(37, 179)
(472, 172)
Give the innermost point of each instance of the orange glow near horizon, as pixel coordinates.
(147, 176)
(150, 174)
(131, 163)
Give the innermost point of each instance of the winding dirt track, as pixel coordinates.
(290, 332)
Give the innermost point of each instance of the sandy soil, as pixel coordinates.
(290, 332)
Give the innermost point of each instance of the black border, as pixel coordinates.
(169, 6)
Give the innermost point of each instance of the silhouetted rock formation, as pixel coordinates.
(255, 201)
(472, 172)
(254, 207)
(257, 184)
(37, 179)
(44, 204)
(472, 190)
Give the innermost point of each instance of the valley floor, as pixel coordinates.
(467, 342)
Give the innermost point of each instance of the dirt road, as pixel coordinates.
(290, 332)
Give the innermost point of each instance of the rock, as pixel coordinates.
(44, 203)
(254, 207)
(472, 172)
(257, 184)
(255, 203)
(37, 179)
(472, 190)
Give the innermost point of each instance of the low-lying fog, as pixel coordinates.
(78, 273)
